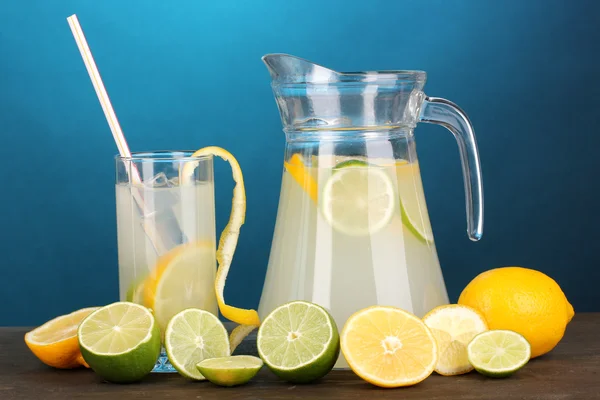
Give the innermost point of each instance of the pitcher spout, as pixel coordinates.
(286, 68)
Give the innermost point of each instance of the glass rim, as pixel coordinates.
(163, 155)
(358, 78)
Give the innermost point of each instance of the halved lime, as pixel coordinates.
(120, 342)
(358, 199)
(192, 336)
(230, 371)
(498, 353)
(299, 342)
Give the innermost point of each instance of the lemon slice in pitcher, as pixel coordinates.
(358, 198)
(228, 239)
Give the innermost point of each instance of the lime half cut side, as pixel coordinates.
(230, 371)
(499, 353)
(121, 341)
(358, 199)
(299, 342)
(192, 336)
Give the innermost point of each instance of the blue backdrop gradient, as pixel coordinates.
(186, 74)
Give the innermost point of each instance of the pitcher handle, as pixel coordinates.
(443, 112)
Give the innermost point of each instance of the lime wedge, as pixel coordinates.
(498, 353)
(411, 225)
(193, 336)
(299, 342)
(230, 371)
(358, 199)
(120, 342)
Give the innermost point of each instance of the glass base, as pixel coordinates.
(163, 365)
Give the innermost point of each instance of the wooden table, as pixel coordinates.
(570, 371)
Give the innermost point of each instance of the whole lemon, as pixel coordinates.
(522, 300)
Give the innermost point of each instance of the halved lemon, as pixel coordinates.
(55, 343)
(454, 326)
(389, 347)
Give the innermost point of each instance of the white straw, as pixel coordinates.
(88, 59)
(115, 127)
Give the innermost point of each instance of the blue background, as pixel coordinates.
(186, 74)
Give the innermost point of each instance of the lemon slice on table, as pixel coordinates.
(55, 343)
(454, 326)
(228, 240)
(389, 347)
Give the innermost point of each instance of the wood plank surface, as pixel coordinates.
(571, 371)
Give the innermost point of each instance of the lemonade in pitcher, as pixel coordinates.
(351, 234)
(352, 226)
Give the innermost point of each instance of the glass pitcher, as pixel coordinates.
(352, 225)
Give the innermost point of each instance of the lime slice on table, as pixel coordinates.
(230, 371)
(183, 278)
(454, 326)
(299, 342)
(193, 336)
(499, 353)
(358, 198)
(120, 342)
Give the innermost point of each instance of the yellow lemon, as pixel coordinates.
(55, 343)
(522, 300)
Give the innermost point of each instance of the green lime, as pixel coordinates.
(498, 353)
(230, 371)
(135, 293)
(194, 335)
(358, 199)
(120, 342)
(420, 234)
(299, 342)
(351, 163)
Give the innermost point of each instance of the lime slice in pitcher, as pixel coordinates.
(412, 204)
(358, 199)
